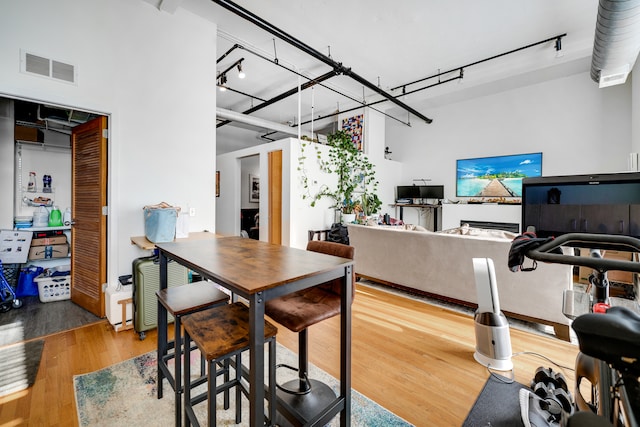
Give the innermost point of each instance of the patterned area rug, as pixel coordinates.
(125, 394)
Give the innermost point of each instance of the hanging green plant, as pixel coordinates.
(356, 188)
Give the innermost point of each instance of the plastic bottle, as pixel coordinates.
(66, 217)
(46, 183)
(55, 217)
(31, 186)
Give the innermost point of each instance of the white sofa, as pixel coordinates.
(440, 264)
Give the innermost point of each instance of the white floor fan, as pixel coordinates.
(493, 343)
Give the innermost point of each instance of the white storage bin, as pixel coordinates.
(56, 288)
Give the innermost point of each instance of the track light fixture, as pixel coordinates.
(222, 80)
(558, 46)
(222, 77)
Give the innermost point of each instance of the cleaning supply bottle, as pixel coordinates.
(31, 186)
(46, 183)
(66, 217)
(55, 217)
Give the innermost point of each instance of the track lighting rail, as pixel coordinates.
(311, 82)
(558, 46)
(337, 67)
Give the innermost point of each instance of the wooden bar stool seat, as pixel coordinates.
(179, 301)
(303, 398)
(221, 333)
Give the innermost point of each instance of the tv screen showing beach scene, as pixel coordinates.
(499, 176)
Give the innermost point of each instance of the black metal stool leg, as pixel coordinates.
(238, 387)
(177, 351)
(211, 394)
(187, 382)
(303, 360)
(272, 382)
(162, 347)
(225, 370)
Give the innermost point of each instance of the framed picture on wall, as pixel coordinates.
(254, 188)
(217, 183)
(354, 126)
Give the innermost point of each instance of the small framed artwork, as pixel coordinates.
(217, 183)
(354, 126)
(254, 188)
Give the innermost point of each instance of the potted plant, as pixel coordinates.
(356, 187)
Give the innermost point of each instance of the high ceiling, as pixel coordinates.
(388, 45)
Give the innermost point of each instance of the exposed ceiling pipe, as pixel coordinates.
(338, 67)
(224, 114)
(284, 95)
(617, 41)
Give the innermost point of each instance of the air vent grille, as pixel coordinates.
(46, 67)
(62, 71)
(37, 64)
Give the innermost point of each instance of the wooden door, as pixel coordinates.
(275, 197)
(89, 204)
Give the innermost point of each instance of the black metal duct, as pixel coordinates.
(616, 42)
(337, 67)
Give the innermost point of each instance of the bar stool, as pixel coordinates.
(302, 398)
(179, 301)
(221, 333)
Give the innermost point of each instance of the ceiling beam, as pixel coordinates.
(337, 67)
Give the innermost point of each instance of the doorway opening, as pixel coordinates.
(250, 196)
(39, 172)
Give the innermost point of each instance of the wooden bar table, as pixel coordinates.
(260, 271)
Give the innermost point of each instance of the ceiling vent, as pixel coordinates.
(37, 64)
(616, 42)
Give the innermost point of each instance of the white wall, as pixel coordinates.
(153, 74)
(578, 127)
(297, 215)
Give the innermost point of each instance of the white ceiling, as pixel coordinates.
(391, 44)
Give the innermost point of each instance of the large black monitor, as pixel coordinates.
(420, 192)
(407, 192)
(598, 203)
(431, 191)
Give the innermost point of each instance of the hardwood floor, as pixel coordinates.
(413, 358)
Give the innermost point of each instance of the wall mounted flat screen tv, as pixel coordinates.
(499, 176)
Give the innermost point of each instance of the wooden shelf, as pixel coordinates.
(143, 243)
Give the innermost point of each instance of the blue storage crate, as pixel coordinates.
(160, 223)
